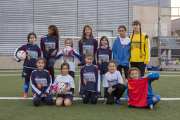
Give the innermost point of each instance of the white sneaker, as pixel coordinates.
(151, 106)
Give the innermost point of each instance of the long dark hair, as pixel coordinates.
(55, 29)
(84, 34)
(102, 39)
(32, 33)
(136, 22)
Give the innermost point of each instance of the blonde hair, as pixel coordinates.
(84, 34)
(69, 39)
(134, 69)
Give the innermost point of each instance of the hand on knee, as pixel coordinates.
(155, 99)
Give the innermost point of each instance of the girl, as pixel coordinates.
(50, 45)
(113, 84)
(103, 55)
(87, 44)
(140, 48)
(121, 50)
(41, 82)
(67, 97)
(89, 80)
(69, 59)
(152, 99)
(33, 51)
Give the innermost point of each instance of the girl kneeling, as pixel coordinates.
(67, 97)
(41, 83)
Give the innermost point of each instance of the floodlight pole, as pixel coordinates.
(159, 32)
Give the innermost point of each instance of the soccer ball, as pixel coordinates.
(21, 55)
(61, 87)
(68, 50)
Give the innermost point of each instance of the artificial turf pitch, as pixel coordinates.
(11, 85)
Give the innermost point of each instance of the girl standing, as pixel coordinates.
(87, 44)
(89, 80)
(50, 45)
(121, 50)
(140, 48)
(103, 55)
(33, 51)
(113, 84)
(69, 59)
(67, 96)
(41, 83)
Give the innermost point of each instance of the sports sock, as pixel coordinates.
(150, 101)
(26, 87)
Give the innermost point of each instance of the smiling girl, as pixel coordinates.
(113, 84)
(33, 51)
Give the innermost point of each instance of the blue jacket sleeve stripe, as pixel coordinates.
(76, 54)
(15, 54)
(33, 87)
(49, 83)
(59, 55)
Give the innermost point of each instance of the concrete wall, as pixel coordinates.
(148, 16)
(178, 32)
(176, 24)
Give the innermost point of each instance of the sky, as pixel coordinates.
(174, 11)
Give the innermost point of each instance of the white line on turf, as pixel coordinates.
(79, 71)
(8, 75)
(74, 98)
